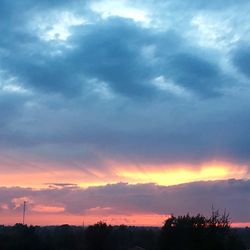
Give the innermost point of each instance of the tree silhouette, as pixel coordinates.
(98, 236)
(198, 232)
(183, 232)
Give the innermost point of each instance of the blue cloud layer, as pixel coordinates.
(173, 88)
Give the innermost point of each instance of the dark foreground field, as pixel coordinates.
(181, 233)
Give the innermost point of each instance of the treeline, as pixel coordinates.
(178, 233)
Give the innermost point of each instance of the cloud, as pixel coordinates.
(116, 44)
(125, 200)
(241, 60)
(199, 4)
(196, 73)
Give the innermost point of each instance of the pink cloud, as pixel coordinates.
(123, 200)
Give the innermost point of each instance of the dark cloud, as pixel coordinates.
(127, 199)
(111, 51)
(195, 73)
(241, 60)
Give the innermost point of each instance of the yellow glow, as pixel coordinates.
(183, 174)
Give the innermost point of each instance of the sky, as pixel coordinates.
(124, 111)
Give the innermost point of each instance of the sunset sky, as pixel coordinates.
(124, 111)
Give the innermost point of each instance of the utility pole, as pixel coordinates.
(24, 210)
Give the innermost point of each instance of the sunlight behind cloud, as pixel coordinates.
(213, 31)
(121, 9)
(56, 26)
(128, 173)
(170, 86)
(10, 84)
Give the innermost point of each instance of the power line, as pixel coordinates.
(24, 211)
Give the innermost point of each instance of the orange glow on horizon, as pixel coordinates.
(48, 209)
(240, 224)
(44, 219)
(156, 220)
